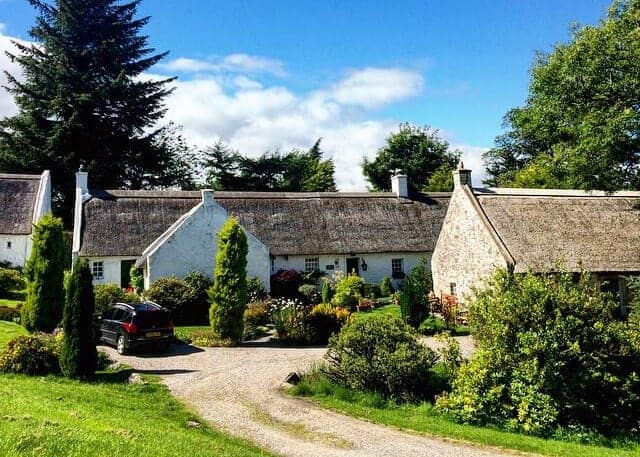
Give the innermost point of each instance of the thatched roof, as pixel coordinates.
(594, 231)
(119, 223)
(18, 196)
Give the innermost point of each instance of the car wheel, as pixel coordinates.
(121, 346)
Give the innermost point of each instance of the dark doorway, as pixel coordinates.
(352, 266)
(125, 269)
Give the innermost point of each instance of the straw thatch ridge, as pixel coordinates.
(594, 232)
(18, 196)
(124, 223)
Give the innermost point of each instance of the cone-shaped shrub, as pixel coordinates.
(386, 289)
(78, 356)
(44, 277)
(228, 294)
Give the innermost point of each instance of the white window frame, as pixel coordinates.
(311, 264)
(97, 270)
(453, 289)
(397, 266)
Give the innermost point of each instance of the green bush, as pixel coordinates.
(327, 291)
(325, 320)
(174, 295)
(256, 315)
(551, 353)
(432, 325)
(414, 303)
(285, 283)
(229, 291)
(137, 279)
(383, 355)
(78, 356)
(31, 354)
(372, 291)
(309, 293)
(349, 290)
(107, 295)
(255, 289)
(290, 319)
(10, 280)
(197, 313)
(44, 277)
(386, 289)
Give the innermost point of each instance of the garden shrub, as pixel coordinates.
(309, 293)
(44, 276)
(285, 284)
(107, 295)
(10, 314)
(380, 354)
(551, 353)
(432, 325)
(174, 295)
(349, 290)
(386, 289)
(197, 312)
(372, 291)
(229, 291)
(255, 289)
(289, 318)
(414, 303)
(136, 278)
(256, 315)
(325, 320)
(10, 280)
(78, 356)
(327, 292)
(35, 354)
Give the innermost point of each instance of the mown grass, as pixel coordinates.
(424, 418)
(185, 333)
(386, 310)
(9, 330)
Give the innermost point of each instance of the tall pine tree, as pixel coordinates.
(85, 100)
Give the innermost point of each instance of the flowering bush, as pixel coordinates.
(325, 320)
(349, 290)
(285, 283)
(289, 317)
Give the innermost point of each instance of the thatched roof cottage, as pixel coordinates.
(173, 232)
(24, 199)
(535, 230)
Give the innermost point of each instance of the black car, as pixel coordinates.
(129, 327)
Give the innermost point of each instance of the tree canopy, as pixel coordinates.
(580, 125)
(417, 151)
(84, 100)
(294, 171)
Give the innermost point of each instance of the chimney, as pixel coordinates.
(208, 197)
(400, 184)
(82, 181)
(461, 176)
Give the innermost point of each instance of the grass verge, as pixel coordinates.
(9, 330)
(386, 310)
(425, 419)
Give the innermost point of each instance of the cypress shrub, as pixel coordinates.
(386, 289)
(229, 291)
(44, 277)
(327, 293)
(78, 357)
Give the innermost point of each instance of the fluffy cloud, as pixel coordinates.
(7, 106)
(235, 63)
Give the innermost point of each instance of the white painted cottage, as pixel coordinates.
(173, 232)
(24, 199)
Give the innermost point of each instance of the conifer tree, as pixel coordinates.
(79, 355)
(83, 100)
(44, 277)
(229, 291)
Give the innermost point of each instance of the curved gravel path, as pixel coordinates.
(237, 389)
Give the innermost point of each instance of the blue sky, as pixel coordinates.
(264, 75)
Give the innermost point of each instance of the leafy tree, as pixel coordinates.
(78, 356)
(414, 306)
(229, 291)
(84, 101)
(44, 277)
(441, 180)
(417, 151)
(580, 125)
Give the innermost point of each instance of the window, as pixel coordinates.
(8, 244)
(397, 268)
(97, 270)
(453, 289)
(311, 264)
(273, 264)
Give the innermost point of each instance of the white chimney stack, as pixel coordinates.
(400, 185)
(461, 176)
(82, 182)
(208, 197)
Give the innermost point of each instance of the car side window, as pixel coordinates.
(119, 314)
(108, 314)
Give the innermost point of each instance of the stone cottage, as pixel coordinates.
(24, 199)
(173, 232)
(535, 230)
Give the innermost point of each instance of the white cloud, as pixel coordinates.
(234, 63)
(7, 105)
(472, 158)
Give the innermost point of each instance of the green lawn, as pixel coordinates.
(185, 333)
(386, 310)
(423, 418)
(9, 330)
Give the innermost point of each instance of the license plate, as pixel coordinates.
(153, 334)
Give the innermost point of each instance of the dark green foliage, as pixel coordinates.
(417, 151)
(380, 354)
(10, 314)
(30, 354)
(107, 295)
(441, 180)
(325, 320)
(327, 291)
(229, 291)
(44, 277)
(432, 325)
(10, 280)
(255, 289)
(176, 296)
(295, 171)
(197, 313)
(78, 356)
(551, 352)
(386, 289)
(580, 125)
(136, 278)
(372, 291)
(83, 101)
(309, 294)
(256, 315)
(414, 303)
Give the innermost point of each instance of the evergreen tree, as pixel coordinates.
(44, 276)
(78, 357)
(83, 101)
(228, 294)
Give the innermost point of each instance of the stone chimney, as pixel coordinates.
(400, 184)
(461, 176)
(82, 182)
(208, 197)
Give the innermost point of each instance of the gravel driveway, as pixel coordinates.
(237, 389)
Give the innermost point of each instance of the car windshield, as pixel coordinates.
(151, 319)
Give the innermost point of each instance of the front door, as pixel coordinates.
(352, 266)
(125, 273)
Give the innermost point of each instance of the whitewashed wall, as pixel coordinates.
(378, 264)
(111, 268)
(19, 251)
